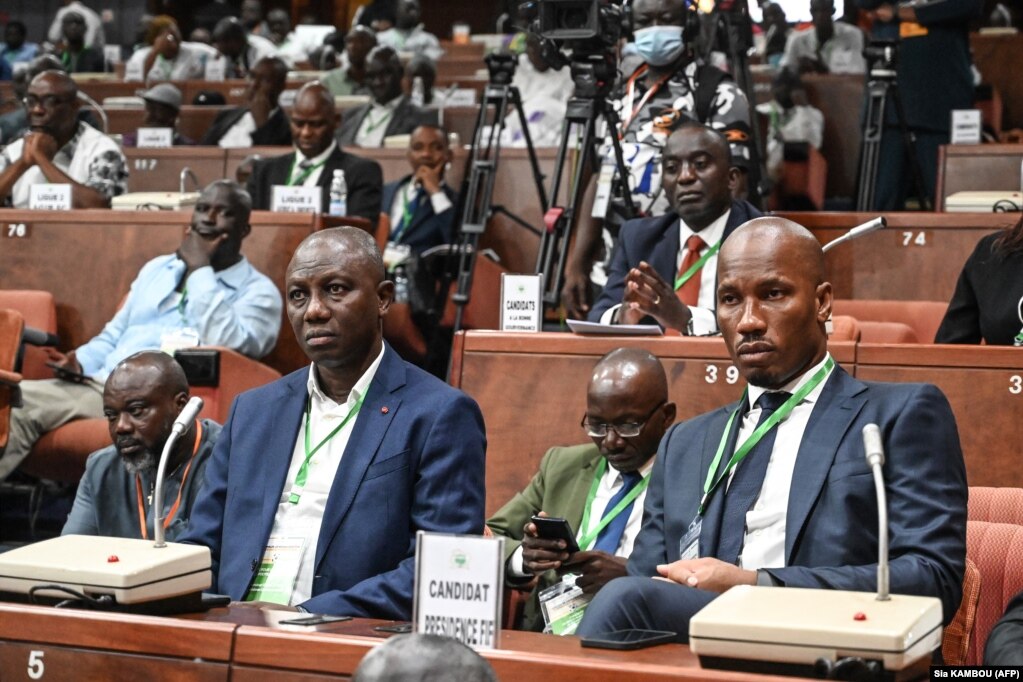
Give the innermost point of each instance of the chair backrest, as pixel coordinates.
(11, 324)
(887, 332)
(997, 550)
(923, 317)
(844, 328)
(996, 505)
(39, 312)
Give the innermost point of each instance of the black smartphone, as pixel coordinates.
(397, 628)
(314, 620)
(556, 528)
(67, 374)
(628, 639)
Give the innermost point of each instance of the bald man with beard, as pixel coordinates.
(799, 509)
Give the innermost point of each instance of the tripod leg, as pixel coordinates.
(873, 129)
(909, 143)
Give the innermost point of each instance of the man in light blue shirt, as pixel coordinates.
(15, 49)
(206, 293)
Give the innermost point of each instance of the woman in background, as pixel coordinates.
(988, 300)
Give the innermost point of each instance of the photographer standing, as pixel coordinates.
(666, 87)
(934, 77)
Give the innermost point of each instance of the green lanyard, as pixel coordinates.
(303, 471)
(687, 275)
(406, 216)
(710, 485)
(587, 540)
(292, 181)
(373, 125)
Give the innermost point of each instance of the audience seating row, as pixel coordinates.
(503, 370)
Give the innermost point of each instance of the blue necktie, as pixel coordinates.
(747, 482)
(611, 535)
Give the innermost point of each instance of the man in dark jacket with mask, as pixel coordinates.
(665, 86)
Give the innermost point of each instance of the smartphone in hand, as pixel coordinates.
(556, 528)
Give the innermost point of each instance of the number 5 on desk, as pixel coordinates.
(35, 665)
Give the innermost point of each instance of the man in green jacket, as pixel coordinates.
(599, 488)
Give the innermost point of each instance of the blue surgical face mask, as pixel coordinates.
(659, 45)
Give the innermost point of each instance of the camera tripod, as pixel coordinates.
(478, 189)
(882, 86)
(593, 77)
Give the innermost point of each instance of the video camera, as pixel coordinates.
(882, 57)
(585, 26)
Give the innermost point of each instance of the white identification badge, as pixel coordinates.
(216, 69)
(563, 606)
(603, 195)
(278, 571)
(689, 546)
(178, 339)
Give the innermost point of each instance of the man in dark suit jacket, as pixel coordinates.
(651, 253)
(390, 112)
(1005, 642)
(421, 206)
(262, 121)
(410, 459)
(800, 509)
(313, 122)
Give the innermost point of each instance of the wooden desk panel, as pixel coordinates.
(983, 385)
(83, 645)
(193, 121)
(917, 258)
(532, 390)
(159, 170)
(89, 258)
(977, 167)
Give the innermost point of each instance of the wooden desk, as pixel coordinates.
(89, 258)
(159, 170)
(84, 645)
(532, 390)
(983, 385)
(977, 167)
(917, 258)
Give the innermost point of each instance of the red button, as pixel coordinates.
(384, 410)
(860, 616)
(112, 559)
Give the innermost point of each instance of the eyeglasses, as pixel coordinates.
(48, 102)
(625, 430)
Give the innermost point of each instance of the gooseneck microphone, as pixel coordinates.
(187, 415)
(857, 232)
(874, 450)
(38, 337)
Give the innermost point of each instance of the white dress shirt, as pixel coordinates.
(303, 519)
(374, 124)
(764, 541)
(240, 134)
(704, 317)
(610, 483)
(313, 178)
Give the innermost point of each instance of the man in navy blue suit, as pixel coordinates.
(320, 480)
(799, 508)
(664, 268)
(421, 205)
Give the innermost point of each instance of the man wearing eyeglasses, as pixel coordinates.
(60, 149)
(599, 489)
(206, 293)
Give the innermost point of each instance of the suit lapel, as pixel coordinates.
(715, 508)
(665, 254)
(575, 497)
(287, 418)
(840, 402)
(370, 427)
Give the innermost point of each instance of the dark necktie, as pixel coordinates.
(747, 482)
(611, 535)
(689, 293)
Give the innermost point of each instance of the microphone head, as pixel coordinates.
(188, 413)
(873, 446)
